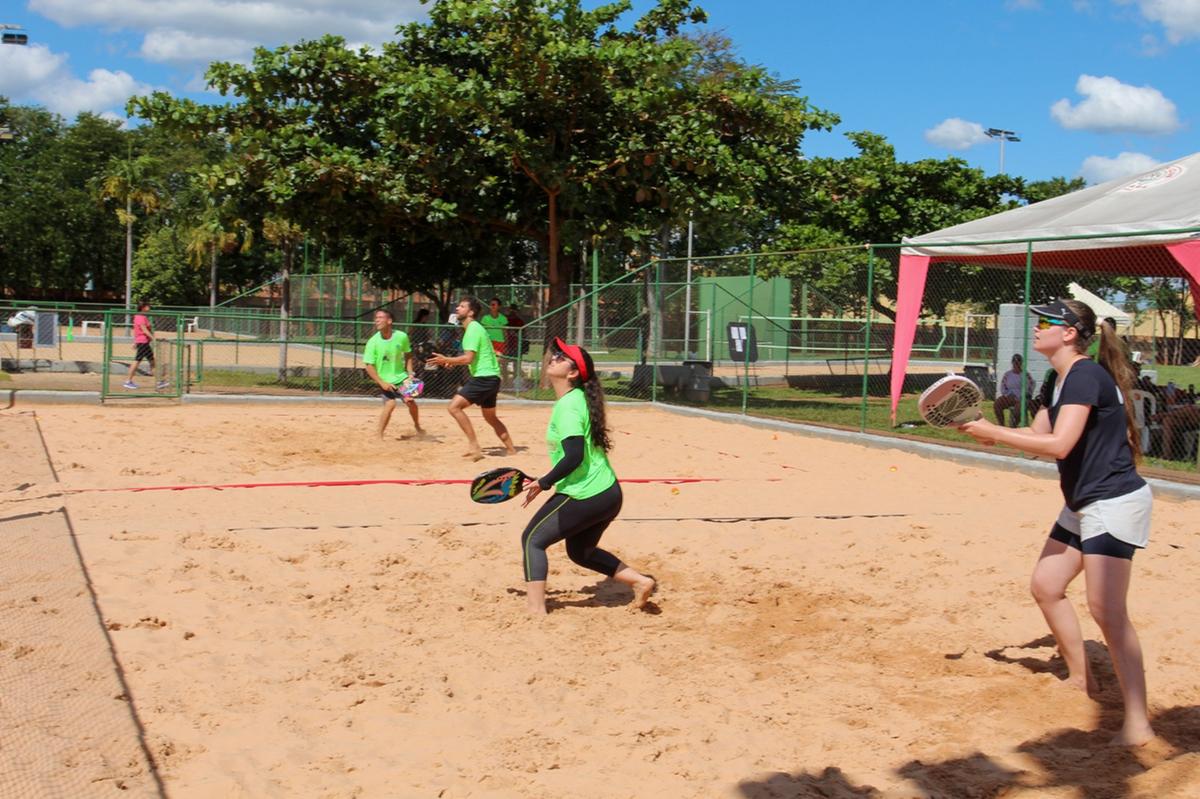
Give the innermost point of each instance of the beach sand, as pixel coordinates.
(371, 641)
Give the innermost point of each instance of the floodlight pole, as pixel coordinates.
(687, 297)
(1003, 136)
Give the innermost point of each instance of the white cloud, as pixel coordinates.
(1110, 106)
(173, 46)
(1180, 18)
(102, 91)
(191, 31)
(35, 74)
(23, 69)
(1098, 169)
(956, 134)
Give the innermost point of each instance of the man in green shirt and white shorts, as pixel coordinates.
(388, 361)
(484, 384)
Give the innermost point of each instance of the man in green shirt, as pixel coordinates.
(482, 388)
(496, 324)
(388, 361)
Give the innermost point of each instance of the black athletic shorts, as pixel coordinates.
(481, 391)
(145, 352)
(1103, 544)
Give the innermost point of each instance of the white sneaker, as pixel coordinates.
(128, 384)
(162, 384)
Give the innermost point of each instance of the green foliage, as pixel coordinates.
(53, 237)
(163, 274)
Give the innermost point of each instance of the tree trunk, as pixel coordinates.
(128, 255)
(559, 277)
(212, 291)
(285, 306)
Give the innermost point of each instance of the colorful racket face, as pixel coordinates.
(498, 485)
(951, 401)
(413, 388)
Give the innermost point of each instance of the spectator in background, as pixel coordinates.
(1009, 395)
(422, 342)
(494, 323)
(143, 344)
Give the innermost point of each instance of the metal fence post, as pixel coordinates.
(862, 425)
(1025, 333)
(746, 343)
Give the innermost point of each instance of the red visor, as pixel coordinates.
(577, 355)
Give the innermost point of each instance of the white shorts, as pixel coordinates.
(1126, 518)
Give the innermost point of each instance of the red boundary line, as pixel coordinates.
(338, 483)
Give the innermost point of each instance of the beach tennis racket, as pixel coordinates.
(498, 485)
(951, 401)
(413, 388)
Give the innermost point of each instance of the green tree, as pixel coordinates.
(520, 119)
(131, 182)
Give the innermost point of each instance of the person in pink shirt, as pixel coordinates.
(143, 344)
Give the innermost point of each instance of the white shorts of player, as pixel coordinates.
(1126, 518)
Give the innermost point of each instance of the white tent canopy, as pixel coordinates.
(1101, 306)
(1154, 217)
(1166, 198)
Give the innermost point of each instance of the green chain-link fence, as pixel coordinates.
(805, 336)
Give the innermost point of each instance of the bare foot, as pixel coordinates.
(1088, 685)
(473, 455)
(642, 590)
(1133, 736)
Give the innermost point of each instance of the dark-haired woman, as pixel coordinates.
(587, 495)
(1087, 424)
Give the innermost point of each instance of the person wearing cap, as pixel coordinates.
(1009, 396)
(483, 386)
(1086, 424)
(587, 494)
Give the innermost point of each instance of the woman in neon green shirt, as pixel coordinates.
(587, 496)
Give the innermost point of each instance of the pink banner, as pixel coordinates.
(909, 291)
(1187, 255)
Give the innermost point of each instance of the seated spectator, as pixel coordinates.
(1009, 395)
(1176, 424)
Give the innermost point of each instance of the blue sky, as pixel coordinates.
(1093, 88)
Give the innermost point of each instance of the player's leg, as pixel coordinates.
(458, 410)
(489, 416)
(1108, 578)
(414, 412)
(543, 530)
(583, 542)
(385, 415)
(1059, 564)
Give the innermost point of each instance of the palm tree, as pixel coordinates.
(131, 181)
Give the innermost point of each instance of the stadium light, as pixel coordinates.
(1003, 136)
(13, 34)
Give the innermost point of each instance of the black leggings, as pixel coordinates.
(581, 522)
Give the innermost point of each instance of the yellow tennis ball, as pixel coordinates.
(891, 468)
(674, 490)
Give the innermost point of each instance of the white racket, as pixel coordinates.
(951, 401)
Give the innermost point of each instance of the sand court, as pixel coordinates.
(833, 619)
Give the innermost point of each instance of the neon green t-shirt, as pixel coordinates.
(476, 340)
(570, 418)
(387, 356)
(495, 326)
